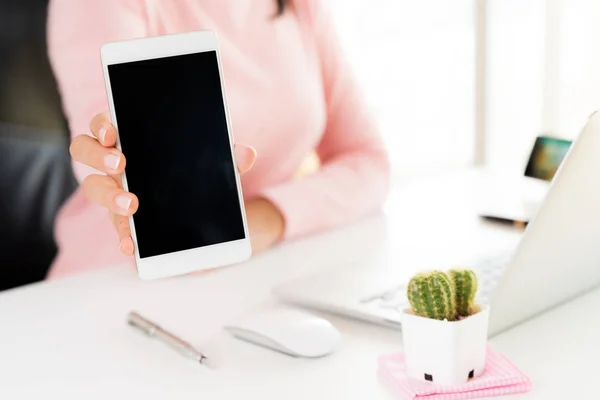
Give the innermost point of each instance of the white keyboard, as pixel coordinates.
(488, 270)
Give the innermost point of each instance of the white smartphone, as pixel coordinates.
(167, 103)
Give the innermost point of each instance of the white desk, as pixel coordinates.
(69, 338)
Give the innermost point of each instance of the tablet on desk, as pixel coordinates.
(515, 200)
(546, 157)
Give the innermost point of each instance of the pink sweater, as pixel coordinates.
(290, 93)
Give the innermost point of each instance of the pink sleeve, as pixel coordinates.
(76, 31)
(354, 176)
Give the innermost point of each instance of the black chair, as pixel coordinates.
(35, 170)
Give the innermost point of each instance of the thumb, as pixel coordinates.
(244, 157)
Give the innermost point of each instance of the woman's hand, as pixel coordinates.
(99, 152)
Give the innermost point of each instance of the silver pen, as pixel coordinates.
(153, 330)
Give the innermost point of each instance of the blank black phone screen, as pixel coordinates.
(173, 131)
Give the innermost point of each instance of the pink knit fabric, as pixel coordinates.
(500, 377)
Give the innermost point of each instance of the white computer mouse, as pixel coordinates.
(292, 332)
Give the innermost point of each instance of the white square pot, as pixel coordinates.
(444, 352)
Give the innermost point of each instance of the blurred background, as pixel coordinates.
(452, 83)
(35, 172)
(473, 81)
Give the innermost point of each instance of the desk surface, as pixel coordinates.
(68, 337)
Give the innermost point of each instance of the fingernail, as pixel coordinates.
(111, 161)
(245, 156)
(102, 133)
(123, 201)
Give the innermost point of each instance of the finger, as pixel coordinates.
(118, 180)
(121, 224)
(88, 151)
(103, 130)
(103, 190)
(126, 246)
(244, 157)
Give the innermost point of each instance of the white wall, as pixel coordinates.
(415, 60)
(515, 80)
(578, 72)
(543, 73)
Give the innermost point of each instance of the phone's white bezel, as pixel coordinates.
(202, 258)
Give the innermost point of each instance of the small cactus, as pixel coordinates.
(464, 285)
(430, 295)
(443, 296)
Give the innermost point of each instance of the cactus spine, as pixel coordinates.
(464, 285)
(443, 296)
(430, 295)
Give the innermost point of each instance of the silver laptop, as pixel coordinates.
(557, 259)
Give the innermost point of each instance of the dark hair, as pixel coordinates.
(281, 4)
